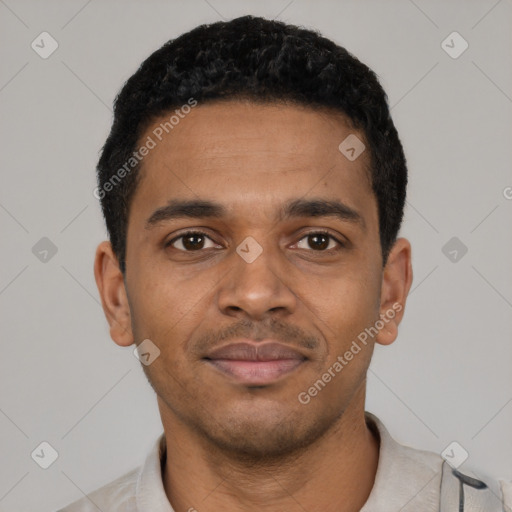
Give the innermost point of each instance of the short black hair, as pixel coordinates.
(264, 61)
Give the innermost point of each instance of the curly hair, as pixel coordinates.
(263, 61)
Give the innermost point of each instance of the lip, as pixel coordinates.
(256, 364)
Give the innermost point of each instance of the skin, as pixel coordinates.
(231, 446)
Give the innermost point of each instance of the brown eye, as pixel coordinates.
(319, 241)
(190, 241)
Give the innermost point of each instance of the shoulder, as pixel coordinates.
(413, 479)
(140, 488)
(116, 496)
(462, 490)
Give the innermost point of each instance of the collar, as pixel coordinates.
(406, 478)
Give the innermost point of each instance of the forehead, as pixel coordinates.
(249, 155)
(234, 128)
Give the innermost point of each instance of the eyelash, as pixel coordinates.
(202, 233)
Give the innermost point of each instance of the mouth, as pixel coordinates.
(256, 364)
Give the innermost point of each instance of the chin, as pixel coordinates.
(263, 437)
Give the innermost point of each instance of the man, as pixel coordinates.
(253, 187)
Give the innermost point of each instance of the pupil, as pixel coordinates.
(192, 246)
(323, 245)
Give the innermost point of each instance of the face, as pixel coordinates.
(253, 263)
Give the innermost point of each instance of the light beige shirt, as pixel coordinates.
(407, 480)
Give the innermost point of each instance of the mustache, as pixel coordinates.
(291, 335)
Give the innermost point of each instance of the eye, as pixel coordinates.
(190, 241)
(193, 241)
(320, 241)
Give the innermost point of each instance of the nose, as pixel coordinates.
(256, 286)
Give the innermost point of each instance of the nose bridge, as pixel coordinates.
(256, 283)
(256, 260)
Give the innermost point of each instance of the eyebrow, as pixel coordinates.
(201, 209)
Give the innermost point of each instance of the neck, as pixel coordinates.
(335, 473)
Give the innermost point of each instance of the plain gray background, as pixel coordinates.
(448, 376)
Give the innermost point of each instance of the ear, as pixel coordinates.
(110, 283)
(396, 283)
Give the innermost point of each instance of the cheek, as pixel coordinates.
(348, 307)
(164, 306)
(346, 291)
(345, 306)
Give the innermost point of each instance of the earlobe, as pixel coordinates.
(110, 283)
(396, 283)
